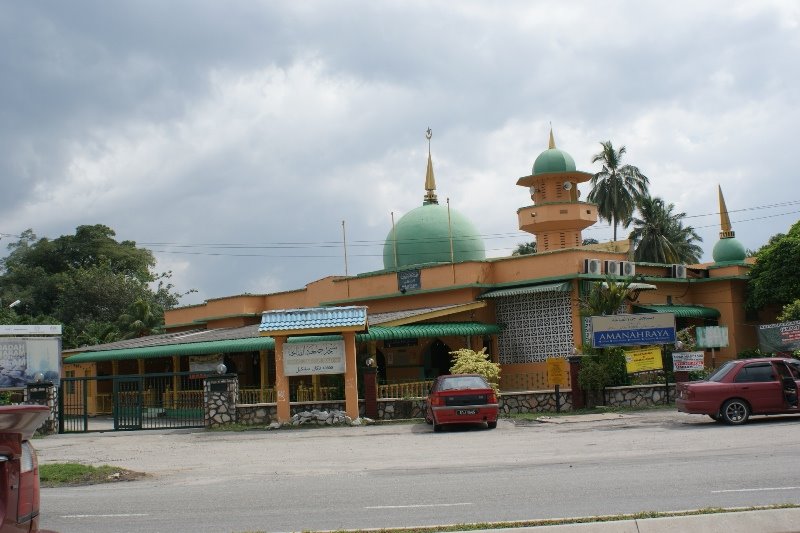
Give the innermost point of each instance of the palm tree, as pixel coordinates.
(140, 321)
(659, 235)
(616, 188)
(606, 298)
(525, 248)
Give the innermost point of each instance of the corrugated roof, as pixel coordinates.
(268, 343)
(682, 311)
(564, 286)
(313, 318)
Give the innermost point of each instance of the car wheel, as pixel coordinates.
(735, 411)
(491, 425)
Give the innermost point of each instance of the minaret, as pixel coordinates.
(557, 217)
(728, 249)
(430, 181)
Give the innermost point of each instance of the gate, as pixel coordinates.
(149, 401)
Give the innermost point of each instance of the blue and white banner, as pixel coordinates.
(633, 330)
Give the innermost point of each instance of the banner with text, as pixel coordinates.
(688, 361)
(783, 337)
(633, 330)
(643, 359)
(309, 358)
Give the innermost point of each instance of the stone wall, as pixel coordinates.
(220, 395)
(510, 403)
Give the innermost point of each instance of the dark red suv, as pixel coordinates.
(19, 469)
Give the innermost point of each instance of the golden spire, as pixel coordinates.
(552, 140)
(725, 221)
(430, 181)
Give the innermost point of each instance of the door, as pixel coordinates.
(758, 383)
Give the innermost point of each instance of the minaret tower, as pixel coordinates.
(556, 217)
(728, 249)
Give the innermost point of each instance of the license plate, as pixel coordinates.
(466, 411)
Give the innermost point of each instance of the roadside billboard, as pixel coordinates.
(633, 330)
(782, 337)
(21, 358)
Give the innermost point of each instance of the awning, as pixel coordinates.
(253, 344)
(680, 311)
(564, 286)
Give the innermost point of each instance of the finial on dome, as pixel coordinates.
(430, 181)
(552, 140)
(726, 231)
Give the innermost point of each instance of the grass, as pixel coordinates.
(74, 474)
(564, 521)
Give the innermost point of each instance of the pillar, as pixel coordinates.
(281, 382)
(350, 375)
(370, 392)
(263, 371)
(577, 391)
(220, 395)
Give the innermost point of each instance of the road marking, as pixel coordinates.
(755, 490)
(415, 506)
(104, 515)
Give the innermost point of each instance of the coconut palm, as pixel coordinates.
(140, 320)
(659, 235)
(616, 188)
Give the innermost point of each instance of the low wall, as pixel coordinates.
(511, 403)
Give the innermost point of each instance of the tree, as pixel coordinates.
(659, 235)
(605, 298)
(140, 321)
(525, 248)
(85, 282)
(775, 277)
(616, 188)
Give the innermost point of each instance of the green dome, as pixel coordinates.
(729, 251)
(553, 160)
(422, 236)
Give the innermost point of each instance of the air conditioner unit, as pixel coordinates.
(591, 266)
(611, 268)
(627, 268)
(679, 271)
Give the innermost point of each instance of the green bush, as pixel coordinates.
(466, 361)
(5, 398)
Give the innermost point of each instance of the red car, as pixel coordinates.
(743, 387)
(19, 469)
(461, 399)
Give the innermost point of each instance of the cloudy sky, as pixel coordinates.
(234, 138)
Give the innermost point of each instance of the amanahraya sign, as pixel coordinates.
(783, 337)
(309, 358)
(21, 358)
(633, 330)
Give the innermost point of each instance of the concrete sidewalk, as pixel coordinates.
(766, 521)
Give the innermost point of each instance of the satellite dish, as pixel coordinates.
(567, 185)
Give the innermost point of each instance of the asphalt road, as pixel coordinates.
(405, 475)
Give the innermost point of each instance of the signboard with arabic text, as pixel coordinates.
(310, 358)
(633, 330)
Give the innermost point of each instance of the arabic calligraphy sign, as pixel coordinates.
(309, 358)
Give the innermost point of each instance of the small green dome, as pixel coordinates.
(422, 236)
(553, 160)
(729, 251)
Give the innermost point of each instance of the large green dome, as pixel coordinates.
(553, 160)
(729, 251)
(422, 236)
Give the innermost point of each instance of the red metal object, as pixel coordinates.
(743, 387)
(19, 468)
(461, 399)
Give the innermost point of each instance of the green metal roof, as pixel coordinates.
(564, 286)
(253, 344)
(681, 311)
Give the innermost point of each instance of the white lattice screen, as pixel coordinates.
(537, 326)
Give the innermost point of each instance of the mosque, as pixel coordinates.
(438, 292)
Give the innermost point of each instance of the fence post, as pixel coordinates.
(44, 393)
(220, 395)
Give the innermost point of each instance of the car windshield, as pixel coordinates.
(463, 382)
(720, 373)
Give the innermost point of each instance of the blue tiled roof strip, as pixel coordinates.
(316, 317)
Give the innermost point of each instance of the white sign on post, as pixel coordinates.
(688, 361)
(712, 336)
(310, 358)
